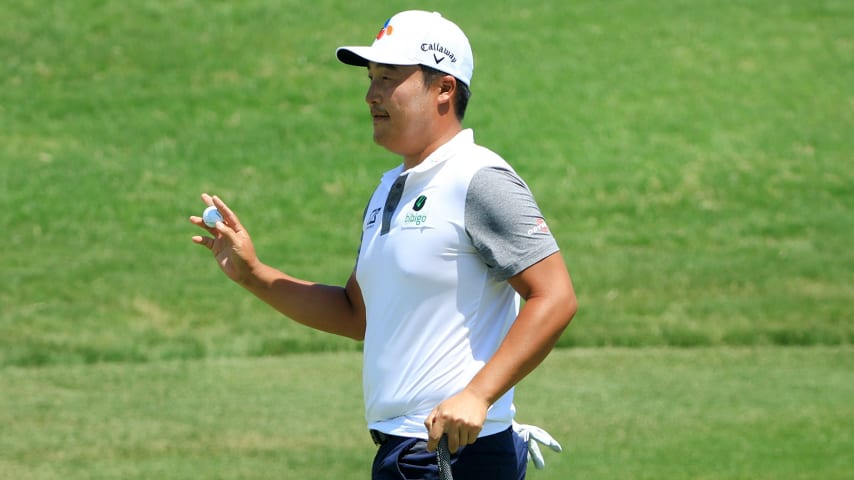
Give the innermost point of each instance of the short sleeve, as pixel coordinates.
(505, 224)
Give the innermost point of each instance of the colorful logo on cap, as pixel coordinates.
(386, 30)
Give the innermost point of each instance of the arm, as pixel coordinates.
(338, 310)
(550, 304)
(332, 309)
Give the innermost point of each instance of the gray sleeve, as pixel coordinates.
(505, 224)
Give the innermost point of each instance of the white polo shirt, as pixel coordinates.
(439, 242)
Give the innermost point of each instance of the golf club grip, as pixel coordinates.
(443, 455)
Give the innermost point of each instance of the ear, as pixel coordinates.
(447, 86)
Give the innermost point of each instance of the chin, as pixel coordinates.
(384, 141)
(378, 139)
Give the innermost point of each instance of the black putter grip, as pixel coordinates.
(444, 457)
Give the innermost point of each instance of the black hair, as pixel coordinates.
(463, 93)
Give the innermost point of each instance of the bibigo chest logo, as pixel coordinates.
(417, 217)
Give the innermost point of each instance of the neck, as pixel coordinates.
(414, 159)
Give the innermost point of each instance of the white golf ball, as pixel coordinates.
(211, 215)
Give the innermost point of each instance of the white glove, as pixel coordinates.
(537, 434)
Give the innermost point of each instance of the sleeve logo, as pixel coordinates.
(540, 227)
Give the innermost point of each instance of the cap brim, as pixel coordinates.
(350, 56)
(360, 56)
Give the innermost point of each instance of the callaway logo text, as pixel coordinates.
(437, 47)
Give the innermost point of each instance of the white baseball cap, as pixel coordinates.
(416, 37)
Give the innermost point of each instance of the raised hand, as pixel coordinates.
(229, 242)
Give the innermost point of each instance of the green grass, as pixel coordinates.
(723, 413)
(693, 159)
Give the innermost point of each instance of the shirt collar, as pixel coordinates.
(443, 153)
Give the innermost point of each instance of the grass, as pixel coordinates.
(693, 160)
(700, 413)
(694, 171)
(757, 413)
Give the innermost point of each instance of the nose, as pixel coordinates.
(372, 95)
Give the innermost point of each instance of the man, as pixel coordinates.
(451, 240)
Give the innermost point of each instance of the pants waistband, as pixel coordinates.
(379, 437)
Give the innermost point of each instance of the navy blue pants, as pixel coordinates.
(503, 456)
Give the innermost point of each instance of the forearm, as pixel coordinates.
(550, 304)
(332, 309)
(338, 310)
(532, 336)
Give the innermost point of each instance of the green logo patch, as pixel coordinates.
(419, 203)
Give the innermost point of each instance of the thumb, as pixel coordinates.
(435, 429)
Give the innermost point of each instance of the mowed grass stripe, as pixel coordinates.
(713, 413)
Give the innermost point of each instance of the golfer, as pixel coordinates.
(452, 240)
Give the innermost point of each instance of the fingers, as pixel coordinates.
(533, 436)
(536, 455)
(199, 239)
(434, 431)
(214, 201)
(204, 241)
(457, 438)
(227, 214)
(217, 230)
(229, 217)
(459, 432)
(199, 221)
(460, 417)
(542, 436)
(454, 440)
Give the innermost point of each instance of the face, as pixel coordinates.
(402, 108)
